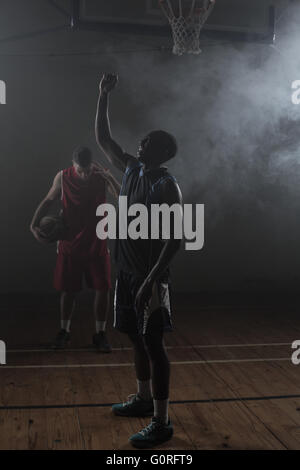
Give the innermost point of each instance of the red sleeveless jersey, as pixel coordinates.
(80, 200)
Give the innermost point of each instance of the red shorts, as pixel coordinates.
(72, 268)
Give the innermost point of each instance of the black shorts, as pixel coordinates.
(157, 313)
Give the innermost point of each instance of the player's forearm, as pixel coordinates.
(167, 254)
(40, 212)
(102, 125)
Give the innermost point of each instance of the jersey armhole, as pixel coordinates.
(132, 162)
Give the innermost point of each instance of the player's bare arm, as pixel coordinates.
(111, 149)
(171, 195)
(52, 196)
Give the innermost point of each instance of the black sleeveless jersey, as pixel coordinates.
(143, 187)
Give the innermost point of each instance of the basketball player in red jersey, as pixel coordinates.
(82, 188)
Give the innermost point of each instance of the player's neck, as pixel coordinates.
(148, 166)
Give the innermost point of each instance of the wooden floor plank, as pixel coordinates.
(23, 430)
(21, 387)
(224, 426)
(256, 379)
(39, 429)
(94, 386)
(282, 418)
(63, 430)
(102, 431)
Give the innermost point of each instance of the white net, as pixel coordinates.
(186, 25)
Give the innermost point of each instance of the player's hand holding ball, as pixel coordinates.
(39, 235)
(108, 82)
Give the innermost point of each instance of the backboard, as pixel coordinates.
(242, 20)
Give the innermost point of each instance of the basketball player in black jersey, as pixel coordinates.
(142, 297)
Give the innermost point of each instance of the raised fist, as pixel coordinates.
(108, 82)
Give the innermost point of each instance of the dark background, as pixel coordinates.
(230, 109)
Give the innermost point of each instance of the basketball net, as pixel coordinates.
(186, 25)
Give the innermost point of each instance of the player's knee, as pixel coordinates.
(137, 341)
(154, 345)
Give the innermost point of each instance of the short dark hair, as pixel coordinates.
(164, 144)
(82, 156)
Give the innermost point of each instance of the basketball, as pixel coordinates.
(52, 228)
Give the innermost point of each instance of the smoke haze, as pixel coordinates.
(239, 144)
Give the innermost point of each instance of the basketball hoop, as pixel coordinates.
(186, 22)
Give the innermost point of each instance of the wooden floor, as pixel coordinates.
(233, 385)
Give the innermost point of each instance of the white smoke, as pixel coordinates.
(231, 111)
